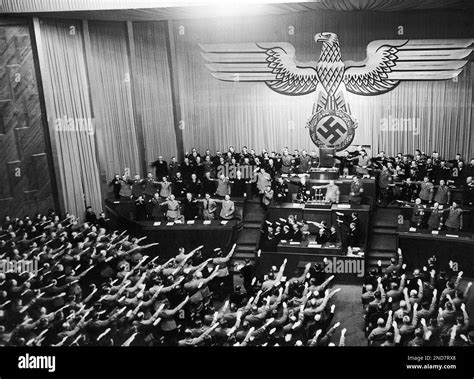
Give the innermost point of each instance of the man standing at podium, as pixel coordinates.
(332, 192)
(345, 162)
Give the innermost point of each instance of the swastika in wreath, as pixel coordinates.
(332, 128)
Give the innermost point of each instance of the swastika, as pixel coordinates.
(330, 130)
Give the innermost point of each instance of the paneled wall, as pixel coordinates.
(25, 181)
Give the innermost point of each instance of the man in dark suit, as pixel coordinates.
(91, 218)
(179, 185)
(173, 168)
(353, 235)
(187, 169)
(190, 208)
(161, 168)
(117, 186)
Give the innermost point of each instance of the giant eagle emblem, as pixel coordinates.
(387, 63)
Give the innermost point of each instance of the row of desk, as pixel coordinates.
(126, 207)
(171, 236)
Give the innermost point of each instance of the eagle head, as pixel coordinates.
(325, 37)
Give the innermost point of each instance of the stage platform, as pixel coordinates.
(344, 184)
(309, 212)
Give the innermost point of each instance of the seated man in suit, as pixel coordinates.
(209, 207)
(228, 208)
(322, 237)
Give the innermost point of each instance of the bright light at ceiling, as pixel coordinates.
(229, 8)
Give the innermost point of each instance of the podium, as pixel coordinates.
(326, 157)
(326, 170)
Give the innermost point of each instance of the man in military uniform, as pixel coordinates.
(304, 163)
(426, 191)
(286, 162)
(443, 193)
(357, 189)
(454, 219)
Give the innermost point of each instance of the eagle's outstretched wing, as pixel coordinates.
(271, 62)
(390, 61)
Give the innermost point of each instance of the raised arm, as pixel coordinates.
(466, 291)
(323, 285)
(414, 320)
(280, 272)
(389, 321)
(465, 316)
(396, 333)
(403, 280)
(155, 315)
(301, 278)
(342, 340)
(420, 289)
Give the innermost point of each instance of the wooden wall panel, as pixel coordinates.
(25, 181)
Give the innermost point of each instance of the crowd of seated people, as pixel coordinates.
(404, 177)
(345, 233)
(94, 286)
(424, 308)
